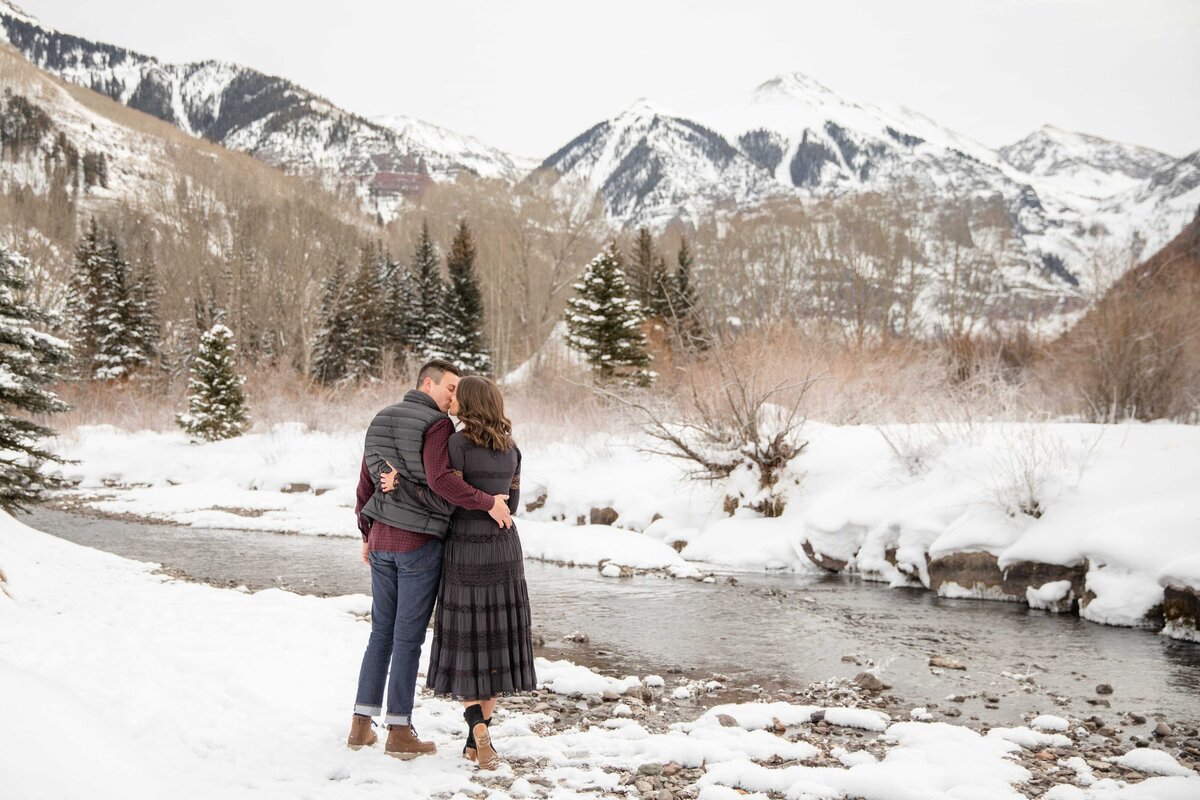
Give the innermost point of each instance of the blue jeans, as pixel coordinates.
(403, 589)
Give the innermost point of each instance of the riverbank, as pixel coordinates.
(1101, 521)
(181, 687)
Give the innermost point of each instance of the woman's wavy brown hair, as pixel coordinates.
(481, 412)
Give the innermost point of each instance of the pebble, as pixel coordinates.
(650, 769)
(664, 794)
(643, 786)
(870, 682)
(1163, 729)
(946, 663)
(1104, 688)
(727, 721)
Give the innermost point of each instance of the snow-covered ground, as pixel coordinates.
(1120, 499)
(119, 682)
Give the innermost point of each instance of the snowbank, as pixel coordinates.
(180, 688)
(1182, 572)
(1116, 503)
(592, 545)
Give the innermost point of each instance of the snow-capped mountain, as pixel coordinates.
(647, 164)
(1081, 164)
(808, 141)
(447, 151)
(268, 117)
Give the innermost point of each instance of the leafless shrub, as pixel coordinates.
(1022, 466)
(730, 418)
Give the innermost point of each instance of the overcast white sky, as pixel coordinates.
(527, 76)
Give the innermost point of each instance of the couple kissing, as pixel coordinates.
(433, 509)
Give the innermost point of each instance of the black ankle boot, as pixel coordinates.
(471, 719)
(473, 715)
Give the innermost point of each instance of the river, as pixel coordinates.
(776, 631)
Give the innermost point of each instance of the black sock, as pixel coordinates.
(473, 715)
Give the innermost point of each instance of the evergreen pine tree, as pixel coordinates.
(147, 328)
(29, 360)
(332, 348)
(396, 297)
(426, 322)
(605, 323)
(685, 323)
(86, 296)
(115, 324)
(364, 341)
(649, 277)
(216, 399)
(464, 306)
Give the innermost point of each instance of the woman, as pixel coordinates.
(482, 647)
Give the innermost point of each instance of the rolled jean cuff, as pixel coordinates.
(397, 719)
(368, 711)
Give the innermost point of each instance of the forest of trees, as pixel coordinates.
(480, 271)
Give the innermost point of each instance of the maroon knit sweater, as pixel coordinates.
(442, 479)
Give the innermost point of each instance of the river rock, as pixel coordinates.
(1181, 612)
(727, 721)
(537, 502)
(870, 682)
(1104, 688)
(650, 769)
(978, 574)
(296, 488)
(946, 663)
(1162, 730)
(1023, 575)
(823, 561)
(603, 516)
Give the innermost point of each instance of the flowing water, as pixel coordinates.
(777, 631)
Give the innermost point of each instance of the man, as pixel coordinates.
(402, 543)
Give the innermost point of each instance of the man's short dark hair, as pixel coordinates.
(435, 369)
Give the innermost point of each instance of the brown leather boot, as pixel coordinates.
(402, 742)
(362, 733)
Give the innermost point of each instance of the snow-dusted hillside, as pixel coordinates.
(268, 117)
(447, 151)
(809, 141)
(1081, 164)
(1067, 195)
(650, 165)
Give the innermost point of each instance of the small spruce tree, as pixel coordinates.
(115, 318)
(364, 339)
(605, 323)
(331, 349)
(216, 399)
(30, 359)
(426, 324)
(685, 322)
(648, 276)
(396, 295)
(464, 307)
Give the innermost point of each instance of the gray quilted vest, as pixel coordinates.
(396, 436)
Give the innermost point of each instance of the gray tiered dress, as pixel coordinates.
(482, 646)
